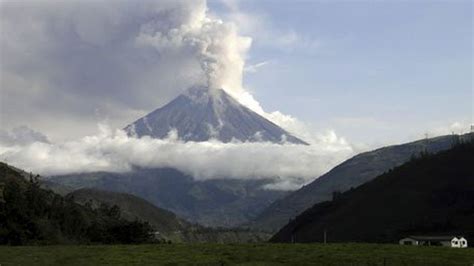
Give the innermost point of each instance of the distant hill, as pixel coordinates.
(349, 174)
(222, 202)
(132, 208)
(169, 226)
(30, 214)
(55, 187)
(433, 194)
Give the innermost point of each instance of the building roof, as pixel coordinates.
(433, 238)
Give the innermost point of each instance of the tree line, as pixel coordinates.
(32, 215)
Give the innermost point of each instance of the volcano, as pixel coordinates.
(202, 114)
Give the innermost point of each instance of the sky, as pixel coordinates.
(374, 71)
(345, 76)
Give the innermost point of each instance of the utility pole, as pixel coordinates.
(426, 143)
(471, 137)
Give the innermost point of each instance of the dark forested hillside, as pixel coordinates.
(32, 215)
(166, 224)
(132, 208)
(349, 174)
(432, 194)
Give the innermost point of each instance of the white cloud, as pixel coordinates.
(288, 122)
(21, 135)
(253, 68)
(289, 165)
(457, 127)
(261, 28)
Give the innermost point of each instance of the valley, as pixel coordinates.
(217, 202)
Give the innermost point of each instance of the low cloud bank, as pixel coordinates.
(289, 165)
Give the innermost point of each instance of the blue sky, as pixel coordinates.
(391, 70)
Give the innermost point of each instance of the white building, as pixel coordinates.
(446, 241)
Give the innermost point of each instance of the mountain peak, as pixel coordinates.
(201, 94)
(201, 114)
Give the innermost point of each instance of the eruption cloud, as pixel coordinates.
(216, 45)
(69, 62)
(77, 62)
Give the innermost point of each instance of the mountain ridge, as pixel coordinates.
(349, 174)
(30, 214)
(132, 208)
(201, 114)
(219, 202)
(430, 194)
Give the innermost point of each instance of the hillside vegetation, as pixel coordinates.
(132, 208)
(32, 215)
(431, 194)
(349, 174)
(167, 224)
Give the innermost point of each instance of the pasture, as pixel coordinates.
(231, 254)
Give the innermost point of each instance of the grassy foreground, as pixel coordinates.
(225, 254)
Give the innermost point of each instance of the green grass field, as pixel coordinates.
(229, 254)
